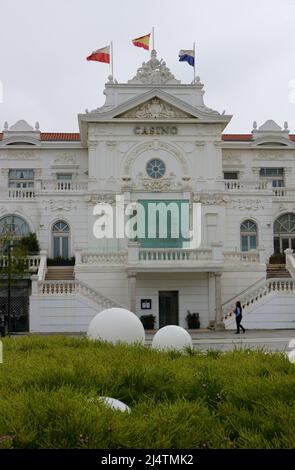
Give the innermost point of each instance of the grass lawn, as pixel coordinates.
(49, 389)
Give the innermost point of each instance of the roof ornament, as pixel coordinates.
(37, 126)
(6, 126)
(286, 126)
(254, 126)
(154, 72)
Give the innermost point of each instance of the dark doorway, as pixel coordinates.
(168, 308)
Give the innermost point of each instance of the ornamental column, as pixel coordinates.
(219, 325)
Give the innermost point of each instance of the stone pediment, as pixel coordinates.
(155, 109)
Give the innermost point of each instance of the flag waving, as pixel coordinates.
(187, 55)
(143, 41)
(101, 55)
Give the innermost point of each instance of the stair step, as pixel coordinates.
(277, 270)
(60, 273)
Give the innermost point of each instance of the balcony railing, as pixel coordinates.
(284, 192)
(173, 254)
(241, 185)
(32, 262)
(21, 193)
(63, 186)
(241, 257)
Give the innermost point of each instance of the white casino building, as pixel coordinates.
(154, 140)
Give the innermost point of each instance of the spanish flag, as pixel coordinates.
(143, 41)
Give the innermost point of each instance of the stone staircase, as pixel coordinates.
(277, 271)
(60, 273)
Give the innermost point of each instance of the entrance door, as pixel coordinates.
(285, 243)
(61, 246)
(168, 308)
(60, 233)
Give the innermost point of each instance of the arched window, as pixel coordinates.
(60, 235)
(248, 235)
(13, 225)
(284, 232)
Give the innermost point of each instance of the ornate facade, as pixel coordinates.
(153, 140)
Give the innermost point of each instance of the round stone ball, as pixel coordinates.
(291, 344)
(116, 325)
(291, 356)
(172, 337)
(115, 404)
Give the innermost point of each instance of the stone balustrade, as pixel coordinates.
(62, 186)
(92, 258)
(284, 193)
(32, 262)
(254, 295)
(290, 262)
(244, 186)
(241, 257)
(72, 288)
(21, 193)
(173, 254)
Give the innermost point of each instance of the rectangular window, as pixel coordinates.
(64, 176)
(231, 175)
(271, 172)
(244, 242)
(253, 242)
(275, 176)
(21, 178)
(165, 223)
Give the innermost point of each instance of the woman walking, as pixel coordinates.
(238, 312)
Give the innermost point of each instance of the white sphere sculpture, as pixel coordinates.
(116, 325)
(291, 344)
(115, 404)
(172, 337)
(291, 356)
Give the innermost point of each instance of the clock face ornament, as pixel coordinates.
(155, 168)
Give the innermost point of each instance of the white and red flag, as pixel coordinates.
(101, 55)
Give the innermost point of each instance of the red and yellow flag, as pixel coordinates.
(143, 41)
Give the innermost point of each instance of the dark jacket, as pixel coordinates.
(238, 312)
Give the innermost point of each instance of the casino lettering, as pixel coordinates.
(155, 130)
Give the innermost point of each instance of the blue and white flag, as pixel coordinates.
(187, 56)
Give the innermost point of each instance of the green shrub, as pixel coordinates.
(49, 390)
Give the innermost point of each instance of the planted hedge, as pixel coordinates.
(49, 389)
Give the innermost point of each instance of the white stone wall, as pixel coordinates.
(60, 314)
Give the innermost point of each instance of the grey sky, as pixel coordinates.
(245, 55)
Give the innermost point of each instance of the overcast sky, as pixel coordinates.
(245, 55)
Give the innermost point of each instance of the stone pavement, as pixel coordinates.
(272, 340)
(203, 339)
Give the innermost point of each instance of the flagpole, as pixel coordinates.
(153, 37)
(112, 60)
(194, 62)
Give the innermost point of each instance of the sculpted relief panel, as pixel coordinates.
(155, 109)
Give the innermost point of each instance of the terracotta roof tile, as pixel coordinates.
(75, 137)
(237, 137)
(60, 136)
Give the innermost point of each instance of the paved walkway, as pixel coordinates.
(273, 340)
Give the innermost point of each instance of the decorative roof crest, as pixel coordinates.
(154, 72)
